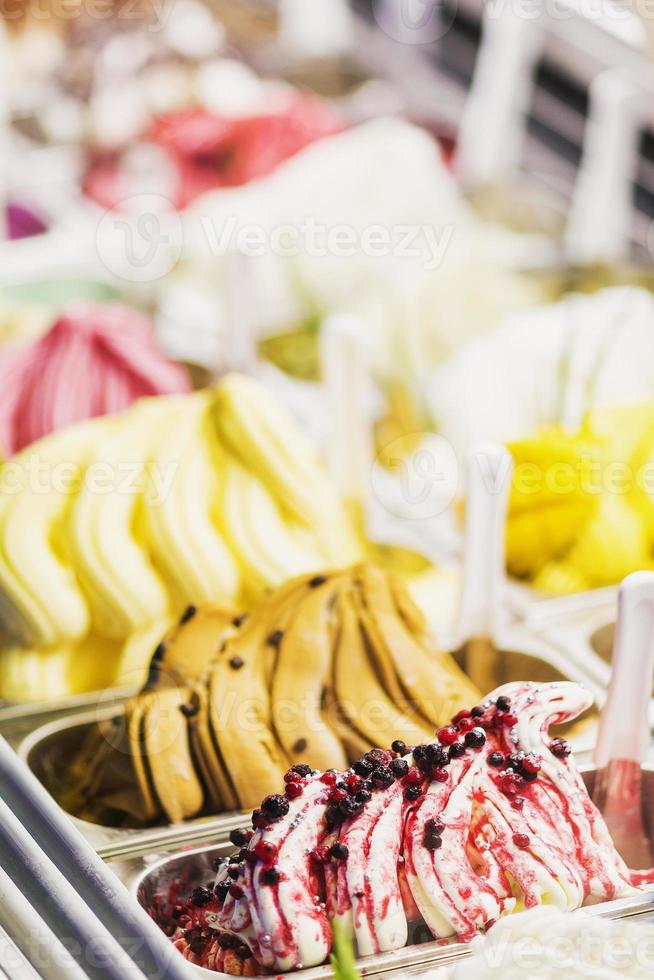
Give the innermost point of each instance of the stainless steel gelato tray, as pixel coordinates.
(587, 640)
(18, 720)
(49, 749)
(160, 879)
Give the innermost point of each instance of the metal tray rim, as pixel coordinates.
(116, 841)
(425, 955)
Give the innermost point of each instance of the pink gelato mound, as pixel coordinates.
(96, 360)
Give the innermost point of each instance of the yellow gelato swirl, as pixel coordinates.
(210, 497)
(581, 512)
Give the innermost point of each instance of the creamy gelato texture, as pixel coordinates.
(369, 221)
(547, 944)
(96, 359)
(110, 527)
(490, 818)
(548, 366)
(318, 671)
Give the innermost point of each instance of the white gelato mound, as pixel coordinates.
(547, 944)
(548, 365)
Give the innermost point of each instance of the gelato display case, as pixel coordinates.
(326, 409)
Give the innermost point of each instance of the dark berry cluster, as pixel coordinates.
(382, 777)
(271, 876)
(349, 793)
(241, 837)
(295, 780)
(201, 896)
(226, 940)
(518, 769)
(273, 808)
(363, 767)
(413, 784)
(197, 942)
(488, 716)
(221, 890)
(475, 738)
(432, 838)
(560, 748)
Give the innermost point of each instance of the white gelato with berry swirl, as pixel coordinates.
(490, 818)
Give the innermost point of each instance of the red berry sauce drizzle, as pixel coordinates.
(445, 837)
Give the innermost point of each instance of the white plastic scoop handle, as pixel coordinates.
(490, 468)
(346, 380)
(601, 211)
(492, 130)
(624, 728)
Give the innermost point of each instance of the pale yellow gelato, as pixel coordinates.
(110, 528)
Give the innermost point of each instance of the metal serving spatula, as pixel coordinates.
(624, 735)
(490, 468)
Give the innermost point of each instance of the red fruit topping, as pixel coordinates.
(440, 775)
(512, 784)
(241, 837)
(337, 795)
(321, 854)
(270, 876)
(275, 806)
(509, 720)
(475, 739)
(434, 826)
(250, 857)
(560, 748)
(466, 724)
(259, 820)
(447, 735)
(339, 852)
(236, 891)
(302, 770)
(503, 703)
(532, 763)
(290, 776)
(521, 840)
(329, 778)
(201, 896)
(266, 852)
(460, 715)
(353, 782)
(293, 790)
(414, 777)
